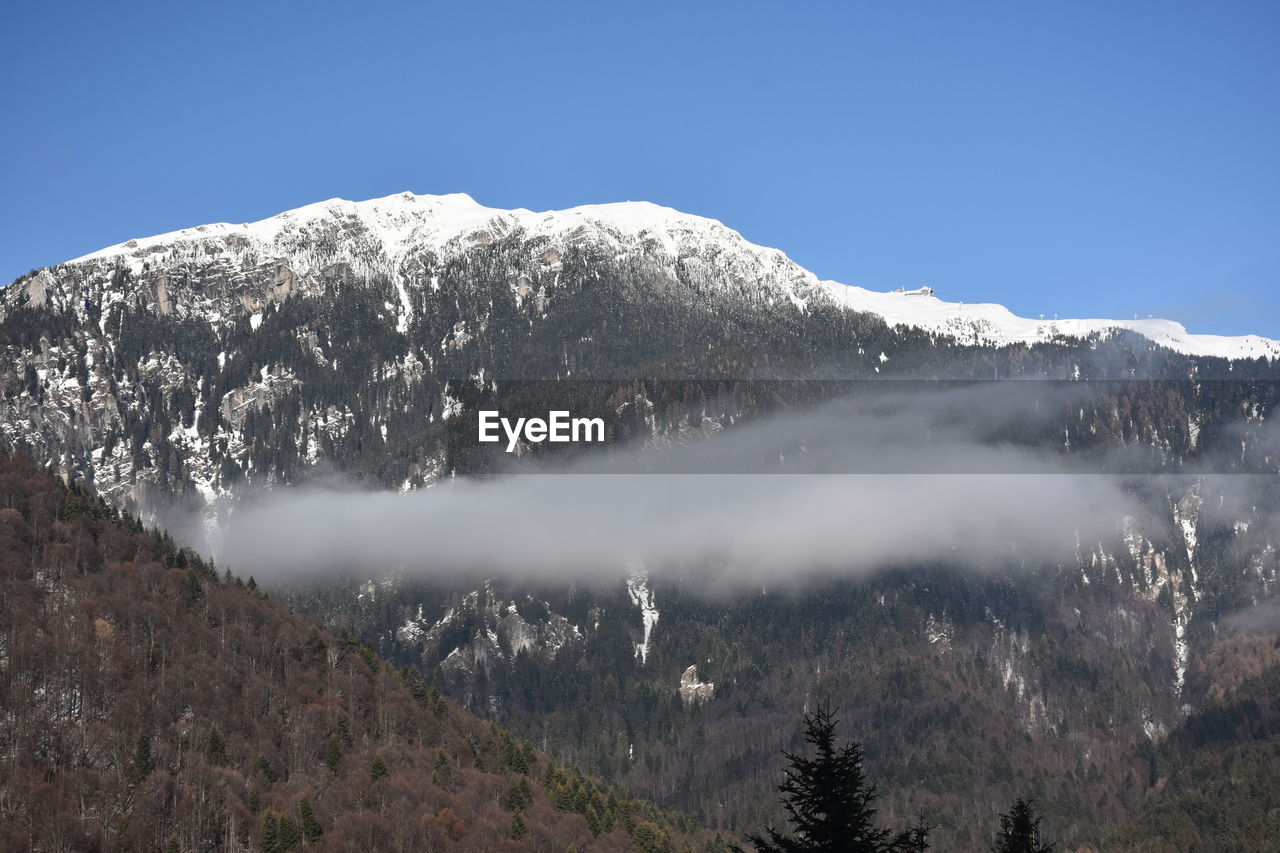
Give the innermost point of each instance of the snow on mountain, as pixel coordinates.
(399, 235)
(994, 325)
(171, 365)
(405, 223)
(389, 233)
(642, 597)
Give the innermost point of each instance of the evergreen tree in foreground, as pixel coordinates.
(830, 803)
(1020, 831)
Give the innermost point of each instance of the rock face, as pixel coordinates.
(693, 691)
(480, 636)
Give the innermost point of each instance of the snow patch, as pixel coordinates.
(642, 597)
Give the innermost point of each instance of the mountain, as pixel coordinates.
(402, 236)
(176, 375)
(156, 369)
(151, 703)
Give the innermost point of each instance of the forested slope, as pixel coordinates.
(1215, 781)
(151, 704)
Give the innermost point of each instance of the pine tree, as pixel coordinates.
(518, 796)
(311, 827)
(142, 763)
(217, 746)
(435, 701)
(441, 772)
(1020, 831)
(379, 768)
(267, 837)
(518, 827)
(288, 835)
(413, 680)
(191, 590)
(830, 803)
(594, 821)
(562, 798)
(528, 756)
(263, 766)
(343, 731)
(333, 753)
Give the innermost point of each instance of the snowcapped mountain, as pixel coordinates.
(186, 365)
(401, 237)
(402, 234)
(189, 368)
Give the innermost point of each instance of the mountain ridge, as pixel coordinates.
(404, 223)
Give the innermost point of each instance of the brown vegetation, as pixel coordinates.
(150, 704)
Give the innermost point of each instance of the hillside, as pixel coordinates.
(182, 376)
(152, 704)
(1214, 783)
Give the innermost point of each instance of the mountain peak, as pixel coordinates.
(404, 220)
(383, 233)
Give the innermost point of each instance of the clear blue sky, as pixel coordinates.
(1080, 158)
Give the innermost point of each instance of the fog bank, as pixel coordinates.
(914, 482)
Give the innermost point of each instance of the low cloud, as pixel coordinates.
(842, 490)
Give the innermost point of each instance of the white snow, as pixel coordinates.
(1186, 513)
(642, 597)
(406, 310)
(994, 325)
(405, 223)
(403, 227)
(411, 631)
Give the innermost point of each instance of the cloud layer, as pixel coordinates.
(914, 481)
